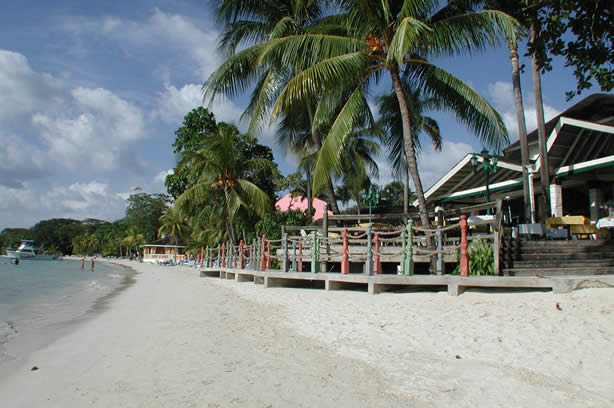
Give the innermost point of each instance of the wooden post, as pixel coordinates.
(223, 260)
(218, 260)
(369, 262)
(315, 249)
(293, 256)
(464, 261)
(262, 250)
(324, 263)
(300, 254)
(408, 268)
(268, 255)
(377, 265)
(229, 252)
(284, 249)
(252, 255)
(345, 263)
(441, 266)
(241, 255)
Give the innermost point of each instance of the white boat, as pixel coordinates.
(28, 250)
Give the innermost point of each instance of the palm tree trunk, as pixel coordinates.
(405, 187)
(541, 128)
(411, 157)
(330, 189)
(309, 198)
(522, 131)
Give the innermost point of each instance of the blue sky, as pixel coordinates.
(92, 92)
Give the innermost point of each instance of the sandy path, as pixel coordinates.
(175, 340)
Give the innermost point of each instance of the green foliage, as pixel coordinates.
(144, 211)
(581, 31)
(12, 236)
(392, 195)
(481, 258)
(271, 223)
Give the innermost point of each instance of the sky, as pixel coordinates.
(91, 94)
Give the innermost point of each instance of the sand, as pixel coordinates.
(174, 339)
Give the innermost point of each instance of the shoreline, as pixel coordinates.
(22, 348)
(175, 339)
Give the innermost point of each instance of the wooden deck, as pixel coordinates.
(374, 284)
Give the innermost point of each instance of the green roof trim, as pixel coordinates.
(585, 169)
(478, 193)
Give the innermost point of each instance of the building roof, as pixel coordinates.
(167, 242)
(596, 108)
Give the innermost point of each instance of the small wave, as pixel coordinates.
(98, 286)
(7, 331)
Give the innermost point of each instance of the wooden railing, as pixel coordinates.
(370, 246)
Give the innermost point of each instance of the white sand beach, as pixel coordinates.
(174, 339)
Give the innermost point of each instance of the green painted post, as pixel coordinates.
(219, 253)
(315, 250)
(206, 260)
(284, 262)
(408, 268)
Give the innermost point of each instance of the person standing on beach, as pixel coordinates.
(83, 263)
(93, 264)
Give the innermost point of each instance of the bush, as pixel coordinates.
(481, 259)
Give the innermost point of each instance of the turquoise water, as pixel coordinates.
(40, 300)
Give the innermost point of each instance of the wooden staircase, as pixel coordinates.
(557, 258)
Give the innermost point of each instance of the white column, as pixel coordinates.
(595, 198)
(556, 200)
(532, 197)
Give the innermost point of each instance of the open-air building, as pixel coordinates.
(580, 146)
(164, 250)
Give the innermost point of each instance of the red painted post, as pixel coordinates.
(262, 251)
(300, 254)
(377, 266)
(223, 255)
(345, 263)
(464, 244)
(268, 255)
(241, 255)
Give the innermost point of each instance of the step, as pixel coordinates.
(556, 271)
(565, 264)
(562, 250)
(596, 243)
(565, 256)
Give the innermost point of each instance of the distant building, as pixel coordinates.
(164, 250)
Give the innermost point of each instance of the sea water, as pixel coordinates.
(41, 300)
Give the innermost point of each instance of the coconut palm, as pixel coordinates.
(392, 125)
(391, 37)
(252, 24)
(220, 186)
(174, 225)
(133, 239)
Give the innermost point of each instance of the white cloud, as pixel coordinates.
(433, 164)
(23, 90)
(502, 94)
(19, 161)
(25, 207)
(164, 30)
(96, 135)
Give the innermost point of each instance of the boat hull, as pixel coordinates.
(23, 255)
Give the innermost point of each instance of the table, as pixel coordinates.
(578, 225)
(606, 222)
(532, 229)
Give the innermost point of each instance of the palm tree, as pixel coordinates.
(392, 37)
(254, 23)
(391, 123)
(220, 186)
(174, 225)
(133, 239)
